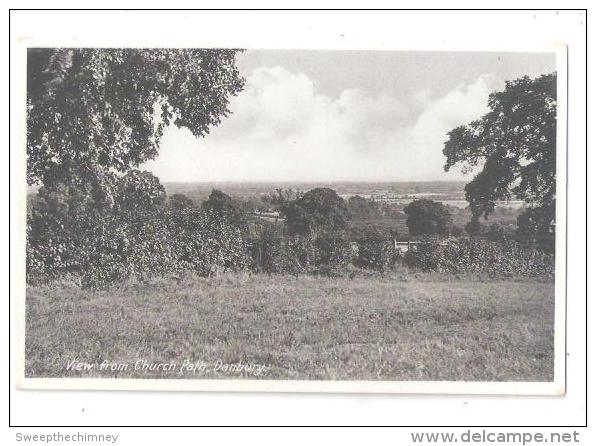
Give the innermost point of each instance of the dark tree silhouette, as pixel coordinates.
(179, 202)
(224, 206)
(319, 208)
(427, 217)
(139, 191)
(96, 110)
(514, 144)
(93, 116)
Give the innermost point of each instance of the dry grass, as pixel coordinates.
(429, 328)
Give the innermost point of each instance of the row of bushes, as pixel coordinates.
(103, 248)
(115, 247)
(107, 248)
(468, 255)
(324, 253)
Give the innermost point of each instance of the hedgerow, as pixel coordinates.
(136, 245)
(468, 255)
(324, 253)
(135, 234)
(376, 252)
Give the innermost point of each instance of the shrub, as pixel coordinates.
(105, 247)
(297, 255)
(537, 227)
(376, 252)
(457, 231)
(498, 232)
(474, 227)
(505, 258)
(325, 253)
(264, 249)
(104, 252)
(333, 253)
(206, 243)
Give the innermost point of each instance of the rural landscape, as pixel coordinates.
(136, 270)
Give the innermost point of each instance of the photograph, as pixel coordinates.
(294, 219)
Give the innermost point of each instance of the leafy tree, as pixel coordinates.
(514, 144)
(427, 217)
(139, 191)
(533, 226)
(496, 232)
(179, 202)
(94, 115)
(224, 206)
(93, 110)
(474, 227)
(319, 208)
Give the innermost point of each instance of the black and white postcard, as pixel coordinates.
(300, 219)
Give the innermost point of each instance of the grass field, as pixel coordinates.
(375, 328)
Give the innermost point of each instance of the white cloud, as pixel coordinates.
(281, 129)
(424, 141)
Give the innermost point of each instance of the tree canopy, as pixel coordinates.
(139, 191)
(428, 217)
(319, 208)
(514, 148)
(90, 111)
(179, 202)
(223, 205)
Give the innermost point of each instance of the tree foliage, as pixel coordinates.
(375, 251)
(318, 209)
(514, 146)
(100, 247)
(179, 202)
(475, 255)
(537, 225)
(91, 111)
(94, 115)
(428, 217)
(139, 191)
(224, 206)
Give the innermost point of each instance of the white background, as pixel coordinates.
(375, 30)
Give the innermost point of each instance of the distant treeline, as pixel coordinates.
(138, 232)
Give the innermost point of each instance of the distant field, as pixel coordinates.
(375, 328)
(200, 191)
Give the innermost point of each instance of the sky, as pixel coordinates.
(343, 116)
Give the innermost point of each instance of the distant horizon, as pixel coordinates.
(206, 182)
(314, 181)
